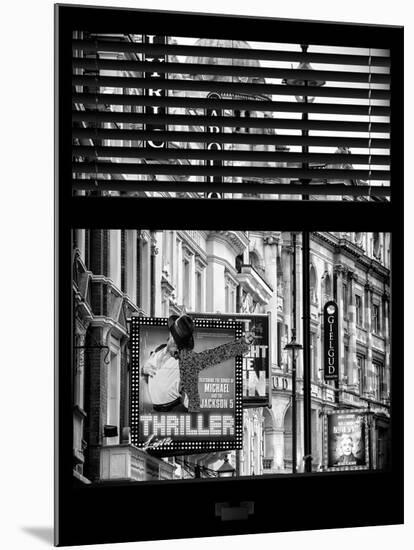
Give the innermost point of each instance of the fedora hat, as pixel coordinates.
(182, 328)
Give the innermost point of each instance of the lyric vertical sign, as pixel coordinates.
(331, 344)
(214, 146)
(156, 92)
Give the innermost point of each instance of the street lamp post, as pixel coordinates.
(294, 347)
(305, 66)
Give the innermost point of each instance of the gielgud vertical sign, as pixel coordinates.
(331, 343)
(201, 412)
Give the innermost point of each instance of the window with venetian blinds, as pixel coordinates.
(186, 117)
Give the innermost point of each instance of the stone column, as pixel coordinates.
(278, 438)
(299, 316)
(270, 259)
(280, 405)
(158, 254)
(287, 258)
(300, 452)
(179, 273)
(115, 256)
(131, 275)
(192, 290)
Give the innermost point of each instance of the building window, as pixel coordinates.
(345, 299)
(114, 395)
(358, 310)
(186, 283)
(362, 375)
(312, 285)
(199, 291)
(346, 359)
(375, 318)
(279, 344)
(376, 246)
(378, 383)
(313, 361)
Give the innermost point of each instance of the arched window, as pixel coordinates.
(239, 263)
(256, 263)
(279, 272)
(376, 246)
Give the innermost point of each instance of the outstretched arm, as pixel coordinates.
(209, 357)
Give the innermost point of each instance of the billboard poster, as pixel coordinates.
(256, 363)
(331, 341)
(163, 416)
(346, 443)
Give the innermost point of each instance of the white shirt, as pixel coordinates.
(164, 385)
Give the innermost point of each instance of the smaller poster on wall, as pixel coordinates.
(346, 442)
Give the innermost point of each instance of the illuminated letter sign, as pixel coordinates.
(214, 147)
(331, 354)
(155, 91)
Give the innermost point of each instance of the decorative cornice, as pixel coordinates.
(200, 262)
(325, 239)
(237, 239)
(254, 284)
(190, 243)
